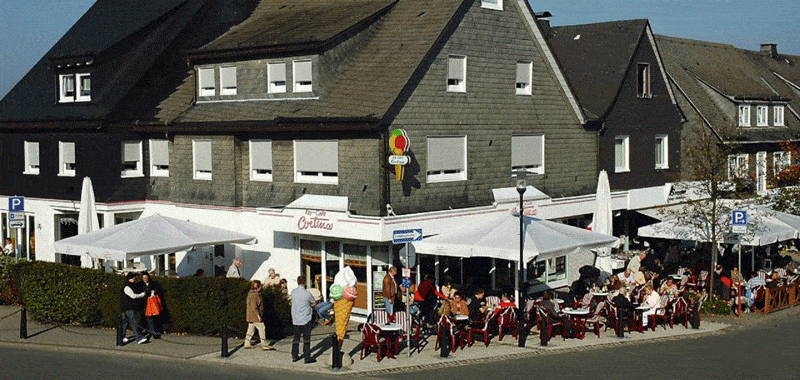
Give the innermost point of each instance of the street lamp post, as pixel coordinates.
(521, 187)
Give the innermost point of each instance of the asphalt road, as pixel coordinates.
(764, 350)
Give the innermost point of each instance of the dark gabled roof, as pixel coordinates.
(291, 24)
(595, 59)
(397, 45)
(125, 40)
(715, 76)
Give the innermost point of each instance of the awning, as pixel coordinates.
(661, 213)
(152, 235)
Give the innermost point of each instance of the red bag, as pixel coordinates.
(154, 307)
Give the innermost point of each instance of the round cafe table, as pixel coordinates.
(578, 319)
(391, 331)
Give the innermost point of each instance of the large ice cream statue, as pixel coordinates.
(343, 292)
(399, 143)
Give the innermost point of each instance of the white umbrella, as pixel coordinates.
(603, 223)
(152, 235)
(87, 213)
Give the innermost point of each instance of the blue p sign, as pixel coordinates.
(739, 217)
(16, 204)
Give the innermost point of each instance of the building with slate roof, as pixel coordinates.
(748, 100)
(275, 118)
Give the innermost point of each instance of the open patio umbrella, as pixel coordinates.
(147, 236)
(602, 223)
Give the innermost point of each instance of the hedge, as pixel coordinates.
(64, 294)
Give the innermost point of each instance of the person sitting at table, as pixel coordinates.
(612, 283)
(669, 288)
(628, 278)
(458, 306)
(548, 304)
(425, 296)
(478, 307)
(624, 306)
(651, 303)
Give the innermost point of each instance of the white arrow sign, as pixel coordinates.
(406, 236)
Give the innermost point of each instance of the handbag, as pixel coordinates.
(154, 307)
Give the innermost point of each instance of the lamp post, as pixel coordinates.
(521, 187)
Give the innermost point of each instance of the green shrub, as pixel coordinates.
(714, 305)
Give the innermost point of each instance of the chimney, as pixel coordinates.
(770, 49)
(542, 18)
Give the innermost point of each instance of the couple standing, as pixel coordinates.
(133, 293)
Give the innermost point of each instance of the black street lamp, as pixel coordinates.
(521, 187)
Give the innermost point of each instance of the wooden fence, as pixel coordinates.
(781, 297)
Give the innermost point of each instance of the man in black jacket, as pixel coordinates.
(129, 302)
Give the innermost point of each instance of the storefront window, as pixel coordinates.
(550, 270)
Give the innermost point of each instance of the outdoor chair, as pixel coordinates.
(456, 335)
(547, 325)
(597, 317)
(401, 318)
(480, 327)
(679, 311)
(380, 317)
(371, 337)
(661, 312)
(702, 280)
(585, 301)
(507, 319)
(492, 301)
(615, 320)
(781, 271)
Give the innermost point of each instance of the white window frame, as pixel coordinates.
(80, 96)
(777, 116)
(738, 165)
(625, 146)
(302, 86)
(276, 86)
(664, 150)
(781, 160)
(762, 118)
(31, 167)
(158, 170)
(314, 176)
(205, 175)
(260, 174)
(454, 83)
(492, 4)
(64, 167)
(138, 169)
(447, 175)
(203, 73)
(520, 162)
(643, 80)
(558, 277)
(225, 87)
(744, 115)
(524, 78)
(77, 88)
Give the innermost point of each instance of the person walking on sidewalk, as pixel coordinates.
(132, 292)
(152, 288)
(255, 309)
(302, 306)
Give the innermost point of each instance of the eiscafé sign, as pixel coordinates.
(315, 220)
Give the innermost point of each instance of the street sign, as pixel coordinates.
(16, 204)
(406, 272)
(16, 216)
(406, 236)
(406, 283)
(739, 221)
(408, 256)
(19, 223)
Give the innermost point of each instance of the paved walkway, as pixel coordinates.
(209, 348)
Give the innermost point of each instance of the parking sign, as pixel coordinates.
(739, 221)
(16, 204)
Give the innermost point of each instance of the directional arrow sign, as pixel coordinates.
(406, 236)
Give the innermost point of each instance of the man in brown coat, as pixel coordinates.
(255, 309)
(390, 290)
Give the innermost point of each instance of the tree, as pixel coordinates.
(786, 183)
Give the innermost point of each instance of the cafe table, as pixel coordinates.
(390, 331)
(577, 318)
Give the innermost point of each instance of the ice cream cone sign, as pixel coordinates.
(399, 143)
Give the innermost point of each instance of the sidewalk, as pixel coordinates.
(209, 348)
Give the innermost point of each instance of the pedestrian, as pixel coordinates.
(234, 271)
(154, 289)
(273, 279)
(302, 306)
(255, 311)
(8, 248)
(390, 289)
(132, 292)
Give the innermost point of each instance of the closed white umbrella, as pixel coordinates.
(602, 223)
(87, 213)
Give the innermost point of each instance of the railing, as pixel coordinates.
(781, 297)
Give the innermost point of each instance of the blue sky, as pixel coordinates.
(29, 28)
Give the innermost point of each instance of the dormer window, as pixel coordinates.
(744, 115)
(777, 115)
(276, 75)
(74, 88)
(227, 80)
(761, 116)
(302, 76)
(643, 81)
(205, 82)
(492, 4)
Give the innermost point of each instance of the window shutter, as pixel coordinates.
(159, 152)
(33, 153)
(317, 156)
(206, 78)
(68, 152)
(131, 151)
(456, 68)
(227, 76)
(446, 153)
(277, 72)
(302, 71)
(524, 151)
(202, 155)
(523, 72)
(261, 155)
